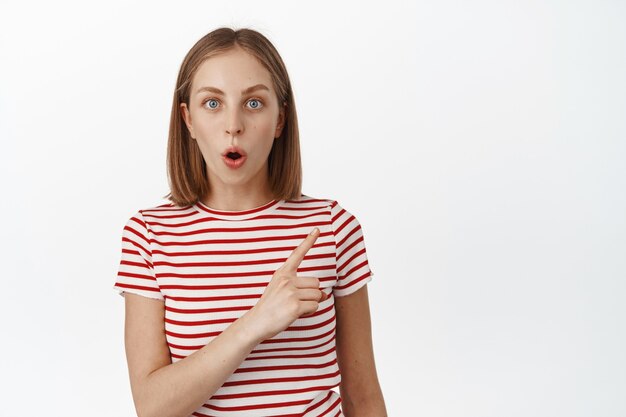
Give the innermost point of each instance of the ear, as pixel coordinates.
(282, 115)
(186, 115)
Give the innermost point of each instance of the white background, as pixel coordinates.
(482, 146)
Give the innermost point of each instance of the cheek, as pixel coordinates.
(207, 125)
(263, 126)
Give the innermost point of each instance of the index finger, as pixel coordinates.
(296, 257)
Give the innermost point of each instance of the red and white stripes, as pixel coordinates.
(211, 266)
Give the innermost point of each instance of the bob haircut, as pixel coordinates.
(186, 168)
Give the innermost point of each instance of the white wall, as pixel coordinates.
(481, 145)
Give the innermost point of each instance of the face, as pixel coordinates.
(233, 103)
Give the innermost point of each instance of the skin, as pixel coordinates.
(361, 395)
(216, 121)
(161, 388)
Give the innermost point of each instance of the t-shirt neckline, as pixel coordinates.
(263, 209)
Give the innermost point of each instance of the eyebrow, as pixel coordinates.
(243, 92)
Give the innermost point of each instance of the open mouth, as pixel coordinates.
(234, 160)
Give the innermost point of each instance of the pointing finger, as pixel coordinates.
(296, 257)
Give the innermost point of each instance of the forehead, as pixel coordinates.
(232, 70)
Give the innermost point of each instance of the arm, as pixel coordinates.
(162, 388)
(359, 387)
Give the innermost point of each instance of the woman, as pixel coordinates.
(232, 307)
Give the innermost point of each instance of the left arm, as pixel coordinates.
(359, 388)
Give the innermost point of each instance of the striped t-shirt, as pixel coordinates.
(211, 266)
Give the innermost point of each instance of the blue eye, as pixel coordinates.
(255, 106)
(254, 103)
(212, 101)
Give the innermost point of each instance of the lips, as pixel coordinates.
(234, 153)
(234, 163)
(234, 157)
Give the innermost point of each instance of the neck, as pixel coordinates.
(237, 200)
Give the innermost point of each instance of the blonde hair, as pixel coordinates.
(186, 168)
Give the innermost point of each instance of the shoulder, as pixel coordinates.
(328, 203)
(159, 210)
(142, 219)
(340, 217)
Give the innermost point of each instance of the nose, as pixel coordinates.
(234, 123)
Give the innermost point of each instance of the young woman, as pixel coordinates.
(243, 296)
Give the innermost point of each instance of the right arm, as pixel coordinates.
(163, 388)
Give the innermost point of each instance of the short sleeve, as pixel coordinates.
(353, 270)
(136, 272)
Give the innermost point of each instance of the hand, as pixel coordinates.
(288, 297)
